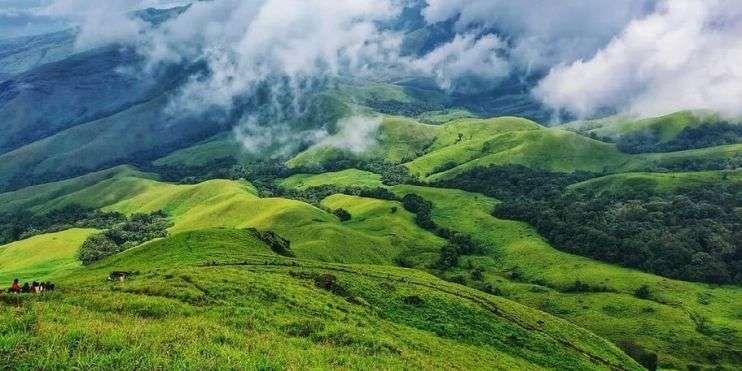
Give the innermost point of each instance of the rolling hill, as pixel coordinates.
(266, 232)
(330, 316)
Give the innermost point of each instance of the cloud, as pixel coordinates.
(104, 23)
(542, 32)
(356, 134)
(466, 57)
(684, 56)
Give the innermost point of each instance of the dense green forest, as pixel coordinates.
(692, 234)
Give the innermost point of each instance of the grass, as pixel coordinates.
(267, 312)
(344, 178)
(41, 257)
(527, 269)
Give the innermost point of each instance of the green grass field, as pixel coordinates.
(255, 310)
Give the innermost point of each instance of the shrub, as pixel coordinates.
(342, 214)
(277, 244)
(643, 292)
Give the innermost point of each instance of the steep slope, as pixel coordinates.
(692, 323)
(20, 54)
(136, 134)
(79, 89)
(44, 197)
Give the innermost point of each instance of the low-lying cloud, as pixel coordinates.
(634, 56)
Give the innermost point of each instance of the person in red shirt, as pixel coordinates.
(15, 287)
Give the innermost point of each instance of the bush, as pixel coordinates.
(643, 292)
(342, 214)
(277, 244)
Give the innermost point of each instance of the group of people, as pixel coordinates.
(33, 288)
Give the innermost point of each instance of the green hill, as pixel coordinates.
(442, 151)
(41, 257)
(251, 309)
(521, 266)
(667, 127)
(211, 276)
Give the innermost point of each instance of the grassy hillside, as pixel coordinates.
(667, 127)
(268, 312)
(41, 257)
(654, 183)
(223, 145)
(132, 134)
(443, 151)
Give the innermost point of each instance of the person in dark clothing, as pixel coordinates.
(26, 288)
(15, 287)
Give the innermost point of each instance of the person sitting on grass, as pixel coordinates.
(15, 287)
(26, 288)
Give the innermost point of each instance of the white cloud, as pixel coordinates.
(466, 56)
(684, 56)
(104, 23)
(356, 134)
(543, 32)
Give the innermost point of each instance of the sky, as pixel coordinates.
(636, 57)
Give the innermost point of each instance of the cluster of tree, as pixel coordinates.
(24, 224)
(701, 136)
(511, 181)
(695, 235)
(409, 109)
(699, 164)
(278, 244)
(458, 243)
(135, 230)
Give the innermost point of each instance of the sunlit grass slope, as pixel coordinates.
(683, 322)
(267, 312)
(344, 178)
(41, 257)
